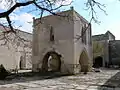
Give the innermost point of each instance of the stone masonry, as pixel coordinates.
(59, 34)
(16, 52)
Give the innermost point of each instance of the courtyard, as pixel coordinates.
(107, 79)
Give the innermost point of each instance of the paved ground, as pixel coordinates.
(104, 80)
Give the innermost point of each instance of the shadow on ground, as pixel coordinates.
(30, 76)
(111, 84)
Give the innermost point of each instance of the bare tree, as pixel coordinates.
(37, 5)
(91, 5)
(42, 6)
(9, 33)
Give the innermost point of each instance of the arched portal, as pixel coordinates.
(21, 64)
(84, 61)
(51, 62)
(98, 62)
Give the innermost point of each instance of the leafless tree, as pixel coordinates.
(40, 6)
(91, 6)
(37, 5)
(43, 6)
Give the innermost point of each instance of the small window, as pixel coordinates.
(90, 35)
(83, 33)
(51, 34)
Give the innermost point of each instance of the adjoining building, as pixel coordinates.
(15, 50)
(105, 50)
(114, 50)
(56, 46)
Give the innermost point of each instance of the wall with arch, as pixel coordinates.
(64, 42)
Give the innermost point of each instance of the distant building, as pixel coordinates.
(56, 37)
(114, 52)
(107, 36)
(15, 50)
(105, 50)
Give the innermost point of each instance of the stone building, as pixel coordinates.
(15, 50)
(56, 46)
(114, 52)
(101, 54)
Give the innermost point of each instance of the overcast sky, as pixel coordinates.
(110, 22)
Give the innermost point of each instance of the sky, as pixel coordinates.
(110, 22)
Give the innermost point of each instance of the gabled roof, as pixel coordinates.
(108, 32)
(102, 36)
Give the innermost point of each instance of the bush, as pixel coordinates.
(3, 72)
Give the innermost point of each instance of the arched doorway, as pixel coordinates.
(21, 64)
(98, 62)
(84, 62)
(51, 62)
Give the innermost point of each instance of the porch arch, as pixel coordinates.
(98, 61)
(51, 60)
(84, 61)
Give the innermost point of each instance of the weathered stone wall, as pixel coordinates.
(114, 51)
(65, 29)
(79, 46)
(100, 37)
(12, 51)
(63, 44)
(101, 48)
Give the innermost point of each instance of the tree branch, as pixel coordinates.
(9, 22)
(4, 14)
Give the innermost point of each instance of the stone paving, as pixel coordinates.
(104, 80)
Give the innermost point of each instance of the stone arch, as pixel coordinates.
(21, 63)
(55, 63)
(98, 62)
(84, 61)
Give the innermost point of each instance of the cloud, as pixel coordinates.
(21, 21)
(3, 20)
(25, 17)
(24, 20)
(14, 16)
(26, 27)
(63, 2)
(5, 5)
(22, 17)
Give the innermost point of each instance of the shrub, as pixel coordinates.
(3, 72)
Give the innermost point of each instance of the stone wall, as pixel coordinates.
(63, 43)
(16, 49)
(65, 30)
(81, 46)
(101, 48)
(114, 51)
